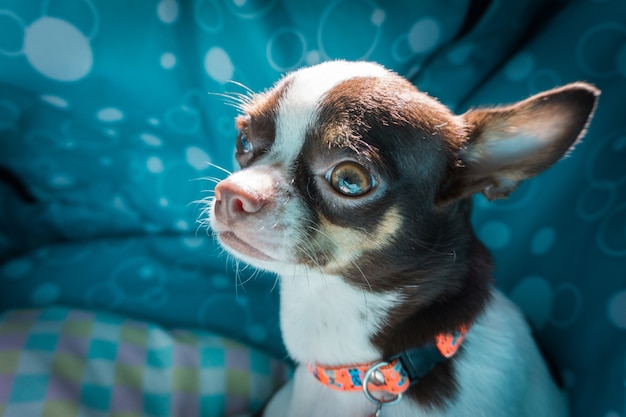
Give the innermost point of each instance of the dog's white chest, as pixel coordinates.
(327, 321)
(488, 373)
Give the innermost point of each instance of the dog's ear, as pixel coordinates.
(508, 144)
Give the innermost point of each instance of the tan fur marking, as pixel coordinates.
(347, 244)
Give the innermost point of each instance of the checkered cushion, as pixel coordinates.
(65, 362)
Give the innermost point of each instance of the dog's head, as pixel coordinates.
(348, 169)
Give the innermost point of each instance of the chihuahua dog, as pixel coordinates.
(355, 188)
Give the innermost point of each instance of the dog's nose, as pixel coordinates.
(233, 201)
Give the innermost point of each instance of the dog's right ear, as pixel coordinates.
(506, 145)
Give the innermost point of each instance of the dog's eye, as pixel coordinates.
(243, 144)
(350, 179)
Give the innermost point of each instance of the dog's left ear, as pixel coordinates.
(509, 144)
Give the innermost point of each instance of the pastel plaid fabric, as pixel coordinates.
(60, 362)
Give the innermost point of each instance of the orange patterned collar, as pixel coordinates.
(396, 375)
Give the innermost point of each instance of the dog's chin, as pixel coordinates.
(242, 249)
(266, 259)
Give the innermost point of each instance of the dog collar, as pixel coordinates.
(397, 374)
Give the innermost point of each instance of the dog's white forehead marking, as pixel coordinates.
(298, 107)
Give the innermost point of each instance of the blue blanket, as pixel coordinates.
(112, 124)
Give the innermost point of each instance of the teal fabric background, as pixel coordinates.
(108, 117)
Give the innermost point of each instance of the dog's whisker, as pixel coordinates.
(430, 247)
(309, 253)
(237, 278)
(202, 218)
(227, 172)
(201, 226)
(205, 200)
(306, 250)
(237, 106)
(356, 265)
(214, 180)
(241, 85)
(276, 281)
(240, 282)
(299, 243)
(239, 98)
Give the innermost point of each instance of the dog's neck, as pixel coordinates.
(328, 321)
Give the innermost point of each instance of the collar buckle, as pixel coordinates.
(417, 362)
(373, 376)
